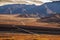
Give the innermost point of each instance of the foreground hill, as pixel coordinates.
(22, 36)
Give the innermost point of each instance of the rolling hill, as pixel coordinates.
(54, 18)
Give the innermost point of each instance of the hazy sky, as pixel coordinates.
(36, 0)
(39, 0)
(48, 0)
(45, 0)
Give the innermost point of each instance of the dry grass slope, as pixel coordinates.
(17, 36)
(13, 20)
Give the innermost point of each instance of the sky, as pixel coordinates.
(39, 0)
(49, 0)
(45, 0)
(31, 2)
(36, 0)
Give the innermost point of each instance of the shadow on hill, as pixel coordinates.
(29, 29)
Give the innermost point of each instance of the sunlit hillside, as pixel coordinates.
(17, 36)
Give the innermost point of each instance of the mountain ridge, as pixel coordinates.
(31, 9)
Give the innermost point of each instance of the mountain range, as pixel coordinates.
(31, 9)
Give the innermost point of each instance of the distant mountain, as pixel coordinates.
(52, 7)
